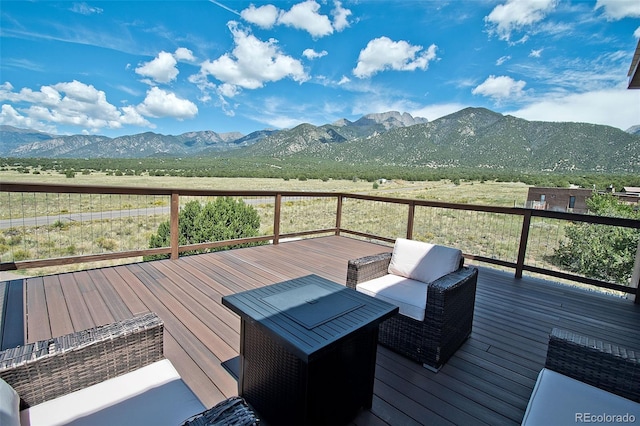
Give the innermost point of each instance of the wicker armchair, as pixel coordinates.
(585, 380)
(448, 314)
(48, 369)
(47, 372)
(597, 363)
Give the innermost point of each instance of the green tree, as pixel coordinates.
(223, 219)
(601, 251)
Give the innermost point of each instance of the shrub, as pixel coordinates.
(600, 251)
(19, 255)
(107, 244)
(58, 224)
(14, 240)
(224, 219)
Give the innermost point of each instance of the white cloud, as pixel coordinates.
(67, 103)
(263, 16)
(613, 107)
(162, 69)
(535, 53)
(340, 16)
(252, 63)
(502, 60)
(160, 103)
(344, 80)
(383, 54)
(184, 54)
(517, 14)
(636, 33)
(499, 88)
(312, 54)
(132, 117)
(305, 16)
(228, 90)
(85, 9)
(10, 117)
(205, 86)
(615, 10)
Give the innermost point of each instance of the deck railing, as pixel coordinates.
(49, 225)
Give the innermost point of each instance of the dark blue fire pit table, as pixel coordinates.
(307, 350)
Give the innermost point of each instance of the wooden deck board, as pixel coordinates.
(37, 312)
(78, 309)
(488, 381)
(97, 306)
(114, 302)
(127, 295)
(59, 313)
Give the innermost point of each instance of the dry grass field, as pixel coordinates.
(69, 231)
(486, 193)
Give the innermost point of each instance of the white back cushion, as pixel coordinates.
(423, 261)
(9, 405)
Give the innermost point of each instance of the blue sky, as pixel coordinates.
(126, 67)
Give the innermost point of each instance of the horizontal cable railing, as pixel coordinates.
(491, 237)
(47, 225)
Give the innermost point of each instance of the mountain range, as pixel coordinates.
(472, 137)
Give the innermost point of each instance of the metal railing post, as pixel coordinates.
(173, 225)
(276, 219)
(635, 276)
(524, 240)
(339, 214)
(410, 219)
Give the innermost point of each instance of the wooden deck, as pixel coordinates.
(488, 381)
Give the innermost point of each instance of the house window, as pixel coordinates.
(542, 198)
(572, 202)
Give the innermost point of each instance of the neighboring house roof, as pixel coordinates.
(634, 70)
(631, 189)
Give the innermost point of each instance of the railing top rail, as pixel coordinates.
(440, 204)
(577, 217)
(137, 190)
(574, 217)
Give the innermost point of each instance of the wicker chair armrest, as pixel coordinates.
(367, 268)
(454, 279)
(595, 362)
(452, 297)
(51, 368)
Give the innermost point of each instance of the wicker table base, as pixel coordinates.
(286, 390)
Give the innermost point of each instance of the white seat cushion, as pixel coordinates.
(423, 261)
(153, 395)
(409, 295)
(560, 400)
